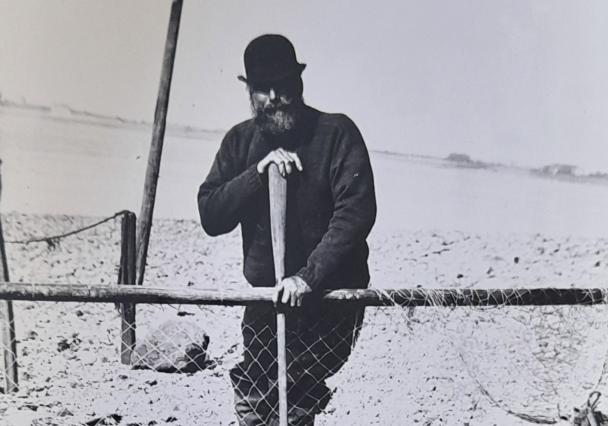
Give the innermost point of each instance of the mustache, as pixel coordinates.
(277, 107)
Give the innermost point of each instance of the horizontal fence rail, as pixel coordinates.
(368, 297)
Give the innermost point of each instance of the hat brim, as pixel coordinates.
(296, 71)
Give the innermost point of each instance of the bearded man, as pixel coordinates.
(331, 208)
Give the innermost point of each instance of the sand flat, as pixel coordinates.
(423, 365)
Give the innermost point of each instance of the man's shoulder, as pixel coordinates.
(243, 129)
(336, 120)
(338, 125)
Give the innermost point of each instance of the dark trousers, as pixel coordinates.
(319, 340)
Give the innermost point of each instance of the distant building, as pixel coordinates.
(459, 158)
(465, 161)
(559, 170)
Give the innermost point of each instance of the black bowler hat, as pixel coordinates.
(269, 58)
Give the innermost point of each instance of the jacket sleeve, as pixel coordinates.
(352, 186)
(228, 189)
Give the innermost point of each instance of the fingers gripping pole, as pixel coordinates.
(277, 188)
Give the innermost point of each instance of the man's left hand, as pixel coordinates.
(290, 291)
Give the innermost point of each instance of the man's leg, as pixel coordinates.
(252, 377)
(251, 401)
(299, 417)
(295, 417)
(246, 414)
(318, 345)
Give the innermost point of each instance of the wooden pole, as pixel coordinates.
(9, 341)
(277, 187)
(127, 277)
(100, 293)
(156, 147)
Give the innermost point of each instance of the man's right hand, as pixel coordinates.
(285, 160)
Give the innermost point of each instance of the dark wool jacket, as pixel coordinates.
(331, 205)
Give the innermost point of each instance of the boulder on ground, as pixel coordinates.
(176, 346)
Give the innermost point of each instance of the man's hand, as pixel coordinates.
(282, 158)
(291, 290)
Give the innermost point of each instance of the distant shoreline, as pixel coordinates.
(65, 113)
(560, 172)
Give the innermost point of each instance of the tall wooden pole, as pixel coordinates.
(277, 188)
(156, 148)
(9, 341)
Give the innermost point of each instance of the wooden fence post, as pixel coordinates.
(127, 277)
(9, 341)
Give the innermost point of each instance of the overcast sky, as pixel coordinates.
(512, 81)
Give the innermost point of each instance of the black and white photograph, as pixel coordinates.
(303, 213)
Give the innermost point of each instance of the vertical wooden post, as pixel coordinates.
(7, 317)
(127, 276)
(158, 136)
(277, 188)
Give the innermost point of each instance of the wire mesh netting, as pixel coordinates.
(437, 365)
(391, 365)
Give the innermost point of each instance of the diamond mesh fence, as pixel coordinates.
(200, 364)
(432, 365)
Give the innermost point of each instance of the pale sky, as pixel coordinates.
(511, 81)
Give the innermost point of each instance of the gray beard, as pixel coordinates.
(279, 121)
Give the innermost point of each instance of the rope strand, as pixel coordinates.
(54, 238)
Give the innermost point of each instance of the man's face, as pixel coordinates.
(275, 106)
